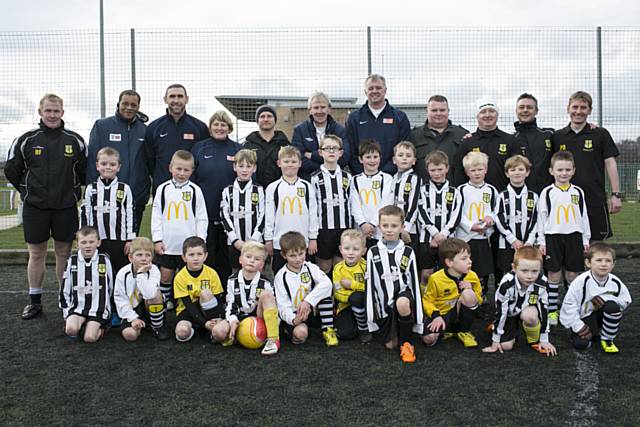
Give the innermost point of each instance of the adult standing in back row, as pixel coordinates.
(437, 133)
(266, 142)
(174, 131)
(594, 152)
(379, 121)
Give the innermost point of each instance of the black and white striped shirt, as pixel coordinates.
(109, 208)
(406, 195)
(511, 299)
(388, 273)
(332, 191)
(517, 216)
(87, 286)
(438, 210)
(242, 211)
(242, 296)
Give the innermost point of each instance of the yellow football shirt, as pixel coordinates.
(184, 284)
(355, 274)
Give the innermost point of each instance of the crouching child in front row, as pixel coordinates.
(594, 303)
(137, 293)
(302, 291)
(198, 291)
(86, 289)
(452, 295)
(394, 307)
(522, 301)
(250, 294)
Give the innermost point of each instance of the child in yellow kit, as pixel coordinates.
(348, 286)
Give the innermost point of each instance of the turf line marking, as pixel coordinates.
(584, 409)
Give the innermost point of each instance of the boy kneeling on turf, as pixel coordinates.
(198, 291)
(302, 289)
(87, 284)
(522, 300)
(595, 301)
(392, 286)
(452, 295)
(137, 293)
(250, 294)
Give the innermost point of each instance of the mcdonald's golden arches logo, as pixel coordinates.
(292, 202)
(300, 295)
(478, 209)
(176, 208)
(365, 195)
(566, 212)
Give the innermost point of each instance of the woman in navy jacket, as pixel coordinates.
(213, 172)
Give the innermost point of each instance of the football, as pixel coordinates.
(251, 333)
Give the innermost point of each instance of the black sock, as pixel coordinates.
(405, 325)
(465, 318)
(36, 298)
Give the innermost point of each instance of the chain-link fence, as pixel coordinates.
(241, 68)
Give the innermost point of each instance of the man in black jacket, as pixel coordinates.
(266, 141)
(535, 141)
(438, 133)
(47, 166)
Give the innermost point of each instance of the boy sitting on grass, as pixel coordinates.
(452, 295)
(198, 291)
(137, 293)
(86, 289)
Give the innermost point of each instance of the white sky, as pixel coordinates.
(36, 15)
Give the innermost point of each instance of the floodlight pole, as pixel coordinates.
(133, 59)
(369, 51)
(102, 90)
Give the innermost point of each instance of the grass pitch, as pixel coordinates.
(49, 380)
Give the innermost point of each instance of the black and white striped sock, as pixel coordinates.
(361, 317)
(554, 294)
(325, 310)
(610, 325)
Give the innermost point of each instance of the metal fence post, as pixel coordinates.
(133, 59)
(599, 55)
(369, 51)
(103, 109)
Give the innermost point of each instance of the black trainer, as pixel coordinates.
(365, 337)
(31, 310)
(161, 333)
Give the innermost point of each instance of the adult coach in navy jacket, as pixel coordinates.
(125, 132)
(213, 172)
(307, 135)
(174, 131)
(377, 120)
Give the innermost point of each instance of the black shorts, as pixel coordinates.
(234, 257)
(312, 321)
(564, 251)
(512, 328)
(215, 313)
(388, 327)
(41, 224)
(599, 222)
(481, 257)
(141, 311)
(505, 259)
(427, 257)
(450, 322)
(171, 262)
(115, 250)
(328, 243)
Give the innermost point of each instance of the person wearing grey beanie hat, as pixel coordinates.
(266, 107)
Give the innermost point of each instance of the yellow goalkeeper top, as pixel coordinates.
(442, 292)
(355, 274)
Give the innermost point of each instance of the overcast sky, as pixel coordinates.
(83, 14)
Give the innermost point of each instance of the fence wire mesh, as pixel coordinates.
(243, 68)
